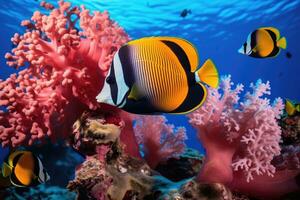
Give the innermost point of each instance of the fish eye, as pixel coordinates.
(110, 80)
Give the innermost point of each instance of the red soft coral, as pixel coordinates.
(66, 70)
(240, 138)
(159, 141)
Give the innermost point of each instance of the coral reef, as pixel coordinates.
(107, 172)
(159, 141)
(66, 69)
(241, 139)
(290, 126)
(44, 192)
(66, 55)
(187, 165)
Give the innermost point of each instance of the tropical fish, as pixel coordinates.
(157, 75)
(263, 42)
(291, 108)
(288, 55)
(185, 12)
(23, 169)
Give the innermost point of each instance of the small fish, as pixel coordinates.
(158, 75)
(185, 12)
(23, 169)
(263, 42)
(288, 55)
(291, 108)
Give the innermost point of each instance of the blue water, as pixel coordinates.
(217, 28)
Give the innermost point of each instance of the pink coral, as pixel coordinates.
(241, 138)
(159, 140)
(66, 70)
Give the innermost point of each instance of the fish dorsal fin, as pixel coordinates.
(6, 170)
(195, 98)
(188, 48)
(274, 30)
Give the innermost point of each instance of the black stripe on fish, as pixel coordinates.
(16, 159)
(141, 106)
(253, 42)
(36, 166)
(111, 80)
(126, 57)
(275, 50)
(183, 59)
(180, 54)
(193, 99)
(14, 180)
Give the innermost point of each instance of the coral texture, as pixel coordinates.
(159, 140)
(65, 68)
(241, 138)
(122, 178)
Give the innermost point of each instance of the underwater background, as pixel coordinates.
(217, 28)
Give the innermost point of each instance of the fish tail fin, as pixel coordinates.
(298, 107)
(208, 74)
(6, 170)
(282, 43)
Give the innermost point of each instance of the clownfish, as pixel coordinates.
(23, 169)
(263, 43)
(157, 75)
(291, 108)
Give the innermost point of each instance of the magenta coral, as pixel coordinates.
(66, 70)
(241, 138)
(159, 140)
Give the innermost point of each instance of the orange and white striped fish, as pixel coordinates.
(157, 75)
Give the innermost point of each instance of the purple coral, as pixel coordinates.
(159, 141)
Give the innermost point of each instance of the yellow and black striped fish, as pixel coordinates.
(23, 169)
(263, 42)
(157, 75)
(291, 108)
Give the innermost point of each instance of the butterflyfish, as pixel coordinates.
(263, 43)
(291, 108)
(23, 169)
(155, 75)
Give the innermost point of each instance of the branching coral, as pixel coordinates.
(241, 138)
(159, 141)
(66, 70)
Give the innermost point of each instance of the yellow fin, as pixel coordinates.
(6, 170)
(289, 107)
(298, 107)
(134, 94)
(208, 74)
(282, 43)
